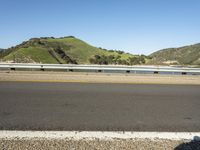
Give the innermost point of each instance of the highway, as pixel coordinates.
(99, 107)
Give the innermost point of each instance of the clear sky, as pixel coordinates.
(136, 26)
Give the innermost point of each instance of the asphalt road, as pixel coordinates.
(99, 107)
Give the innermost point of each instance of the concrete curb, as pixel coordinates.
(76, 135)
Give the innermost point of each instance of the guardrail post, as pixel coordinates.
(99, 70)
(42, 69)
(184, 73)
(156, 72)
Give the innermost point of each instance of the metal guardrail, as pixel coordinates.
(103, 68)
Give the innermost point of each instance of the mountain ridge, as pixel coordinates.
(71, 50)
(66, 50)
(185, 55)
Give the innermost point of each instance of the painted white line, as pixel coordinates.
(76, 135)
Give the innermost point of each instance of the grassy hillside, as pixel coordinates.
(65, 50)
(70, 50)
(188, 55)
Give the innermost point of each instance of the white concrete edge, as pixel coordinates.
(76, 135)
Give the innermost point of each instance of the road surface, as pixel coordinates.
(99, 107)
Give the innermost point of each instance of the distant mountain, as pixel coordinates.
(66, 50)
(187, 55)
(70, 50)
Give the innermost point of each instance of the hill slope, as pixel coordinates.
(70, 50)
(188, 55)
(64, 51)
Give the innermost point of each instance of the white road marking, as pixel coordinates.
(76, 135)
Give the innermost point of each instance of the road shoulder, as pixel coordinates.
(36, 76)
(97, 140)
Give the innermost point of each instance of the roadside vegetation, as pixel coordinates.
(116, 60)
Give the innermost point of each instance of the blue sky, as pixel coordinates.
(136, 26)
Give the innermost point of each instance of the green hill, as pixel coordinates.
(70, 50)
(188, 55)
(66, 50)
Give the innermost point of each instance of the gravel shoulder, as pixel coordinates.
(37, 76)
(91, 144)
